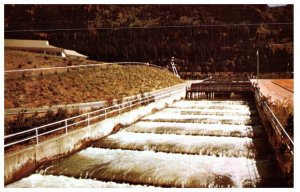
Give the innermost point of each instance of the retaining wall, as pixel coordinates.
(22, 163)
(284, 158)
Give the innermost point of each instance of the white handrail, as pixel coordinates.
(69, 125)
(51, 131)
(78, 66)
(277, 123)
(117, 108)
(19, 141)
(29, 130)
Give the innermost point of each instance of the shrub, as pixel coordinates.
(75, 112)
(69, 63)
(120, 100)
(49, 115)
(55, 101)
(24, 122)
(17, 103)
(7, 127)
(290, 125)
(109, 101)
(62, 113)
(282, 110)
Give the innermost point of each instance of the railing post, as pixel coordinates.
(105, 113)
(66, 126)
(119, 109)
(37, 136)
(130, 105)
(88, 119)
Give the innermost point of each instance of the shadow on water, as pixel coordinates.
(269, 173)
(267, 167)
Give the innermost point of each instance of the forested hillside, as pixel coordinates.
(204, 38)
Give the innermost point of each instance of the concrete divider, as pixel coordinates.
(22, 163)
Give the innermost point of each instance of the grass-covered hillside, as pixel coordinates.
(79, 85)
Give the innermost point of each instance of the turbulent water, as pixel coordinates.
(188, 144)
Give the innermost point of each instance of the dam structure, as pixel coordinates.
(214, 137)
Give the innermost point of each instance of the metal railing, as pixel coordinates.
(78, 66)
(35, 135)
(220, 88)
(278, 128)
(228, 86)
(140, 63)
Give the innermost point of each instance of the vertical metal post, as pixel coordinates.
(105, 113)
(66, 126)
(257, 67)
(130, 105)
(88, 119)
(119, 109)
(37, 136)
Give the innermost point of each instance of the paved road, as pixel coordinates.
(268, 88)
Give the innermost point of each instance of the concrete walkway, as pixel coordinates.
(274, 90)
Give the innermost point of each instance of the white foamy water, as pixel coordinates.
(168, 116)
(51, 181)
(207, 111)
(191, 129)
(202, 145)
(160, 169)
(211, 104)
(211, 112)
(190, 144)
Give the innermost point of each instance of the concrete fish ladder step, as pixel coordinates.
(226, 105)
(170, 143)
(213, 102)
(161, 169)
(202, 119)
(195, 129)
(171, 115)
(220, 112)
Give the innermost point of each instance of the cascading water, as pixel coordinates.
(189, 144)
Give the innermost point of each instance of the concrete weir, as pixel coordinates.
(22, 163)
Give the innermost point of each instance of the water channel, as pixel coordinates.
(204, 143)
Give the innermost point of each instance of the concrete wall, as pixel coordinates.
(23, 163)
(284, 159)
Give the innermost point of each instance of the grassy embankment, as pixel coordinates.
(78, 85)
